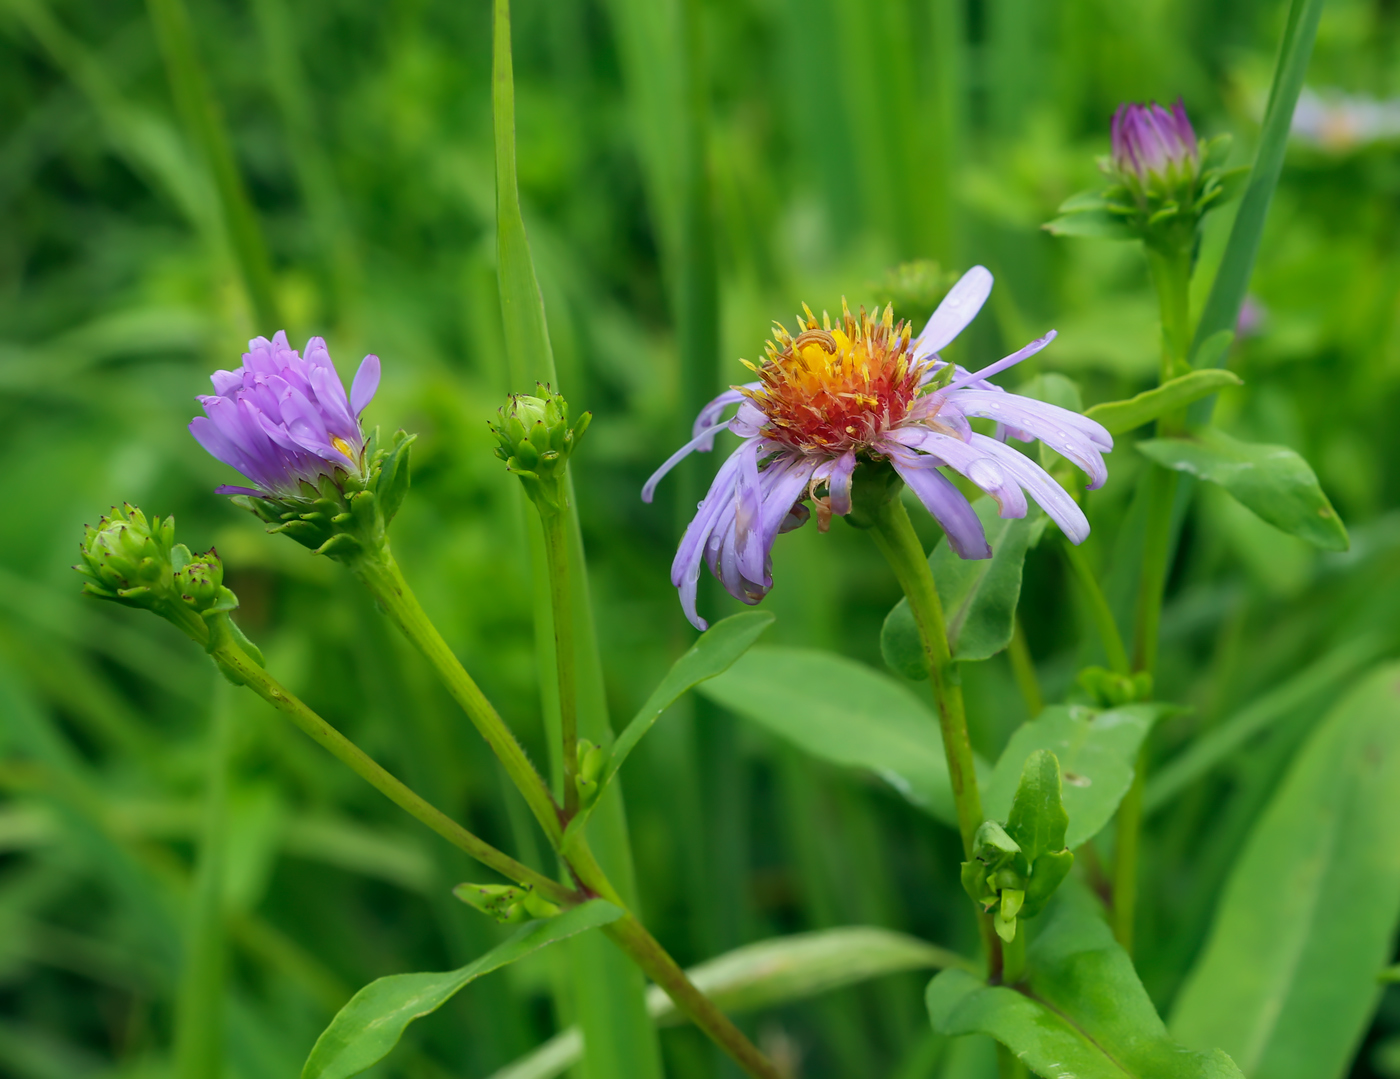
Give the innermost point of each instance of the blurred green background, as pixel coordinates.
(840, 138)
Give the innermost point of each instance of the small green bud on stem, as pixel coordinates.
(535, 440)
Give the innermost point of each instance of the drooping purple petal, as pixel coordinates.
(958, 308)
(1040, 485)
(839, 483)
(1068, 433)
(946, 505)
(964, 458)
(748, 515)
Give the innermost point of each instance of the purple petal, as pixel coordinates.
(365, 385)
(335, 409)
(839, 483)
(748, 515)
(1068, 433)
(702, 442)
(1002, 364)
(958, 308)
(230, 489)
(967, 460)
(947, 506)
(1052, 498)
(709, 415)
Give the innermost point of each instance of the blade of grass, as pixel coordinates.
(1227, 292)
(204, 124)
(609, 990)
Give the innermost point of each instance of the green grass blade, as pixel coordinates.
(609, 990)
(204, 122)
(1236, 267)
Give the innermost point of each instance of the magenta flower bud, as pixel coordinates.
(1154, 147)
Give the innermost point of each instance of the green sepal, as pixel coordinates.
(1048, 874)
(1111, 690)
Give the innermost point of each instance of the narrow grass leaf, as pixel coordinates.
(1083, 1013)
(1227, 292)
(371, 1024)
(1273, 481)
(1097, 752)
(1123, 416)
(1287, 982)
(841, 711)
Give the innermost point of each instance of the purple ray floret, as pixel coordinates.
(283, 419)
(917, 418)
(1150, 140)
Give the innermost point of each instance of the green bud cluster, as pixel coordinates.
(535, 440)
(1016, 867)
(507, 903)
(344, 516)
(136, 562)
(1110, 690)
(591, 759)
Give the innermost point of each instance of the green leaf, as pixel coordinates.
(1100, 224)
(1227, 292)
(842, 711)
(979, 596)
(1177, 393)
(1287, 981)
(1082, 1013)
(370, 1025)
(1273, 481)
(763, 975)
(1097, 752)
(713, 653)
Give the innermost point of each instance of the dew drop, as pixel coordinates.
(985, 473)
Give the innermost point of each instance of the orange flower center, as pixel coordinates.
(829, 389)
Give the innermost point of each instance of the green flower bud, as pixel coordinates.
(343, 516)
(535, 438)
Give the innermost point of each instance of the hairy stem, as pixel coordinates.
(632, 937)
(238, 662)
(561, 597)
(381, 575)
(894, 535)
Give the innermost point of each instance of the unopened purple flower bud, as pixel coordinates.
(1154, 147)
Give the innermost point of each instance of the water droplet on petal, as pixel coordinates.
(986, 473)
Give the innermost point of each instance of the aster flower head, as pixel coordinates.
(284, 421)
(863, 391)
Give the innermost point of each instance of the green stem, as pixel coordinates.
(204, 124)
(1171, 275)
(381, 575)
(199, 1027)
(1023, 670)
(561, 597)
(1099, 610)
(1013, 957)
(632, 937)
(256, 678)
(894, 535)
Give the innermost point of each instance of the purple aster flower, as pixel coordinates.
(1151, 143)
(863, 390)
(283, 420)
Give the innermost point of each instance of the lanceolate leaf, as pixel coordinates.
(1121, 416)
(712, 654)
(1082, 1014)
(979, 596)
(367, 1028)
(1273, 481)
(1097, 752)
(844, 712)
(1287, 982)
